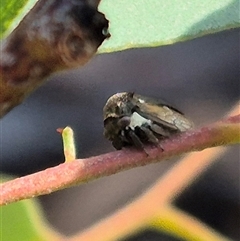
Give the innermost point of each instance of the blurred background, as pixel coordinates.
(199, 77)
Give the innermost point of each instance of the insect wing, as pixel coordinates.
(161, 114)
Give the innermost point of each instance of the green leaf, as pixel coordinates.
(145, 23)
(12, 12)
(24, 221)
(149, 23)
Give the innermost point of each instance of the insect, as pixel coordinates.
(132, 119)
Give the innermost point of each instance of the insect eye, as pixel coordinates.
(118, 110)
(124, 122)
(108, 120)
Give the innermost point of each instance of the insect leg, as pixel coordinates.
(151, 137)
(117, 143)
(160, 130)
(135, 139)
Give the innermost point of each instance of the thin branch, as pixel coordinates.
(181, 224)
(84, 170)
(139, 213)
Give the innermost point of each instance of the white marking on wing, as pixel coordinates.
(138, 120)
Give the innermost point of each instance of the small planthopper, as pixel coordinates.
(132, 119)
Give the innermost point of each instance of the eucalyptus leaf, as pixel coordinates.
(24, 221)
(150, 23)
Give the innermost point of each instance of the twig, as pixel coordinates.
(84, 170)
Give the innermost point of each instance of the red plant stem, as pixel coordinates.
(84, 170)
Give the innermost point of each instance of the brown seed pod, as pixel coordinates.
(53, 36)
